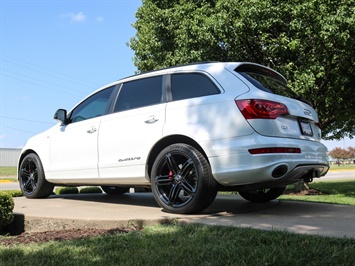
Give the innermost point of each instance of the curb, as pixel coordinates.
(340, 170)
(41, 224)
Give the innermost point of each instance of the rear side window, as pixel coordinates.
(191, 85)
(268, 84)
(139, 93)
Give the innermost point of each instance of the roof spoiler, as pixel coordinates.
(261, 70)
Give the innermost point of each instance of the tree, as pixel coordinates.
(310, 41)
(351, 152)
(342, 154)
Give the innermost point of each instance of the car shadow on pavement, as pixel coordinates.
(138, 199)
(232, 204)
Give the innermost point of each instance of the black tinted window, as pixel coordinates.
(139, 93)
(268, 84)
(190, 85)
(93, 106)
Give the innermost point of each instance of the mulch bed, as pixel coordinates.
(308, 192)
(60, 235)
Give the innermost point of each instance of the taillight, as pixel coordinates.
(274, 150)
(261, 109)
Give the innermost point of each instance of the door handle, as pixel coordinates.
(152, 119)
(91, 130)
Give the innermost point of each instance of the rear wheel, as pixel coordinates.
(113, 190)
(262, 195)
(32, 179)
(181, 180)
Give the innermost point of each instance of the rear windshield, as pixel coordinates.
(268, 84)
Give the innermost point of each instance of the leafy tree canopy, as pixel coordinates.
(311, 42)
(339, 153)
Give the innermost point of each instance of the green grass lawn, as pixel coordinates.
(7, 171)
(336, 192)
(342, 167)
(187, 245)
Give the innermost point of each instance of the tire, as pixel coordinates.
(182, 180)
(113, 190)
(262, 195)
(32, 180)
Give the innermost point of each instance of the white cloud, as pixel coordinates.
(99, 18)
(78, 17)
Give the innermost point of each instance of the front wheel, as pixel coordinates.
(32, 179)
(182, 180)
(262, 195)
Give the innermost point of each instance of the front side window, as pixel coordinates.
(139, 93)
(94, 106)
(191, 85)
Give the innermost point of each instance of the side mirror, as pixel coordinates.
(61, 116)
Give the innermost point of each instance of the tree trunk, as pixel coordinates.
(299, 186)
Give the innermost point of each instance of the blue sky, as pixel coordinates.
(54, 53)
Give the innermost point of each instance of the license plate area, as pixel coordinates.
(305, 127)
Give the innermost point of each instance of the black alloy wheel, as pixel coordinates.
(32, 179)
(181, 180)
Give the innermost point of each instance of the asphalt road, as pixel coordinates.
(338, 175)
(9, 186)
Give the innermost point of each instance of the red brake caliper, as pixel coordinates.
(170, 176)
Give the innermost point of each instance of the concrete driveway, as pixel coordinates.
(139, 209)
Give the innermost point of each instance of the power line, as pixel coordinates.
(27, 120)
(28, 77)
(46, 71)
(39, 85)
(17, 129)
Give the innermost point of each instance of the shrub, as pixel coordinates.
(12, 193)
(90, 190)
(6, 210)
(66, 190)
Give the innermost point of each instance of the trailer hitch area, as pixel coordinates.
(308, 178)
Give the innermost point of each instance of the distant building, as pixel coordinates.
(9, 157)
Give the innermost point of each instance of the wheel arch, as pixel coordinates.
(163, 143)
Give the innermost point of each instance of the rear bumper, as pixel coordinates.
(233, 165)
(302, 172)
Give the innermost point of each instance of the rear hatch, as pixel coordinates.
(273, 109)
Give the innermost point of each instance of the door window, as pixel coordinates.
(191, 85)
(96, 105)
(139, 93)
